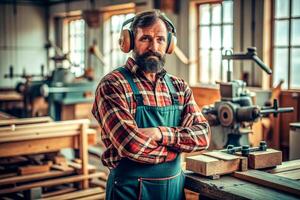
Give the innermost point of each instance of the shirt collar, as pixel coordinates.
(134, 68)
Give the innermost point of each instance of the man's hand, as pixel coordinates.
(154, 133)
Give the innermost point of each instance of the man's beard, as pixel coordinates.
(148, 64)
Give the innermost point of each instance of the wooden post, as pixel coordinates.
(83, 151)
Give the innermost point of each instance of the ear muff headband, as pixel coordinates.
(171, 35)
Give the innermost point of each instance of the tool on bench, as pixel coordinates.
(245, 149)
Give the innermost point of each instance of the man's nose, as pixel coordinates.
(153, 46)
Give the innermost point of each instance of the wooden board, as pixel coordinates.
(34, 177)
(291, 174)
(42, 145)
(77, 194)
(52, 182)
(34, 169)
(286, 166)
(270, 180)
(209, 166)
(59, 192)
(39, 126)
(25, 121)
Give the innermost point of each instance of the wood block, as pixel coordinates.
(34, 169)
(264, 159)
(208, 166)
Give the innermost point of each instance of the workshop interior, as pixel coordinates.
(241, 59)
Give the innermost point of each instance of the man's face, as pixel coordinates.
(150, 45)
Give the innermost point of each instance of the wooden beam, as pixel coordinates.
(292, 174)
(33, 120)
(41, 130)
(33, 177)
(34, 169)
(39, 135)
(270, 180)
(59, 192)
(286, 166)
(83, 150)
(77, 194)
(52, 182)
(42, 145)
(94, 197)
(39, 126)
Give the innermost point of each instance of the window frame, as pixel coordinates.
(66, 37)
(107, 15)
(210, 49)
(289, 46)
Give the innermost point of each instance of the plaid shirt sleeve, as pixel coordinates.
(118, 124)
(194, 132)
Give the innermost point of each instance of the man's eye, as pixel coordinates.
(146, 39)
(161, 39)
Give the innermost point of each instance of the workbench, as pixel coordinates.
(230, 187)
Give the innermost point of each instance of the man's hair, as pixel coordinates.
(148, 18)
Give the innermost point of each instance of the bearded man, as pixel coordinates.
(147, 116)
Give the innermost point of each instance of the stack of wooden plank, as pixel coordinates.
(23, 137)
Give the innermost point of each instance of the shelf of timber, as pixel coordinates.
(260, 175)
(26, 137)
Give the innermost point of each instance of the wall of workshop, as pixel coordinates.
(173, 64)
(22, 40)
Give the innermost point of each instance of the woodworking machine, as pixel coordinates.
(235, 112)
(61, 88)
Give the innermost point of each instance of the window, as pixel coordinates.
(112, 30)
(286, 43)
(215, 33)
(77, 45)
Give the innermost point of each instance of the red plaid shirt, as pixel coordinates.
(114, 108)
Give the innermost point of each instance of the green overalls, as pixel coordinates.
(131, 180)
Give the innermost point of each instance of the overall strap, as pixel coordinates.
(172, 89)
(137, 95)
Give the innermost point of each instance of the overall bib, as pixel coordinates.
(131, 180)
